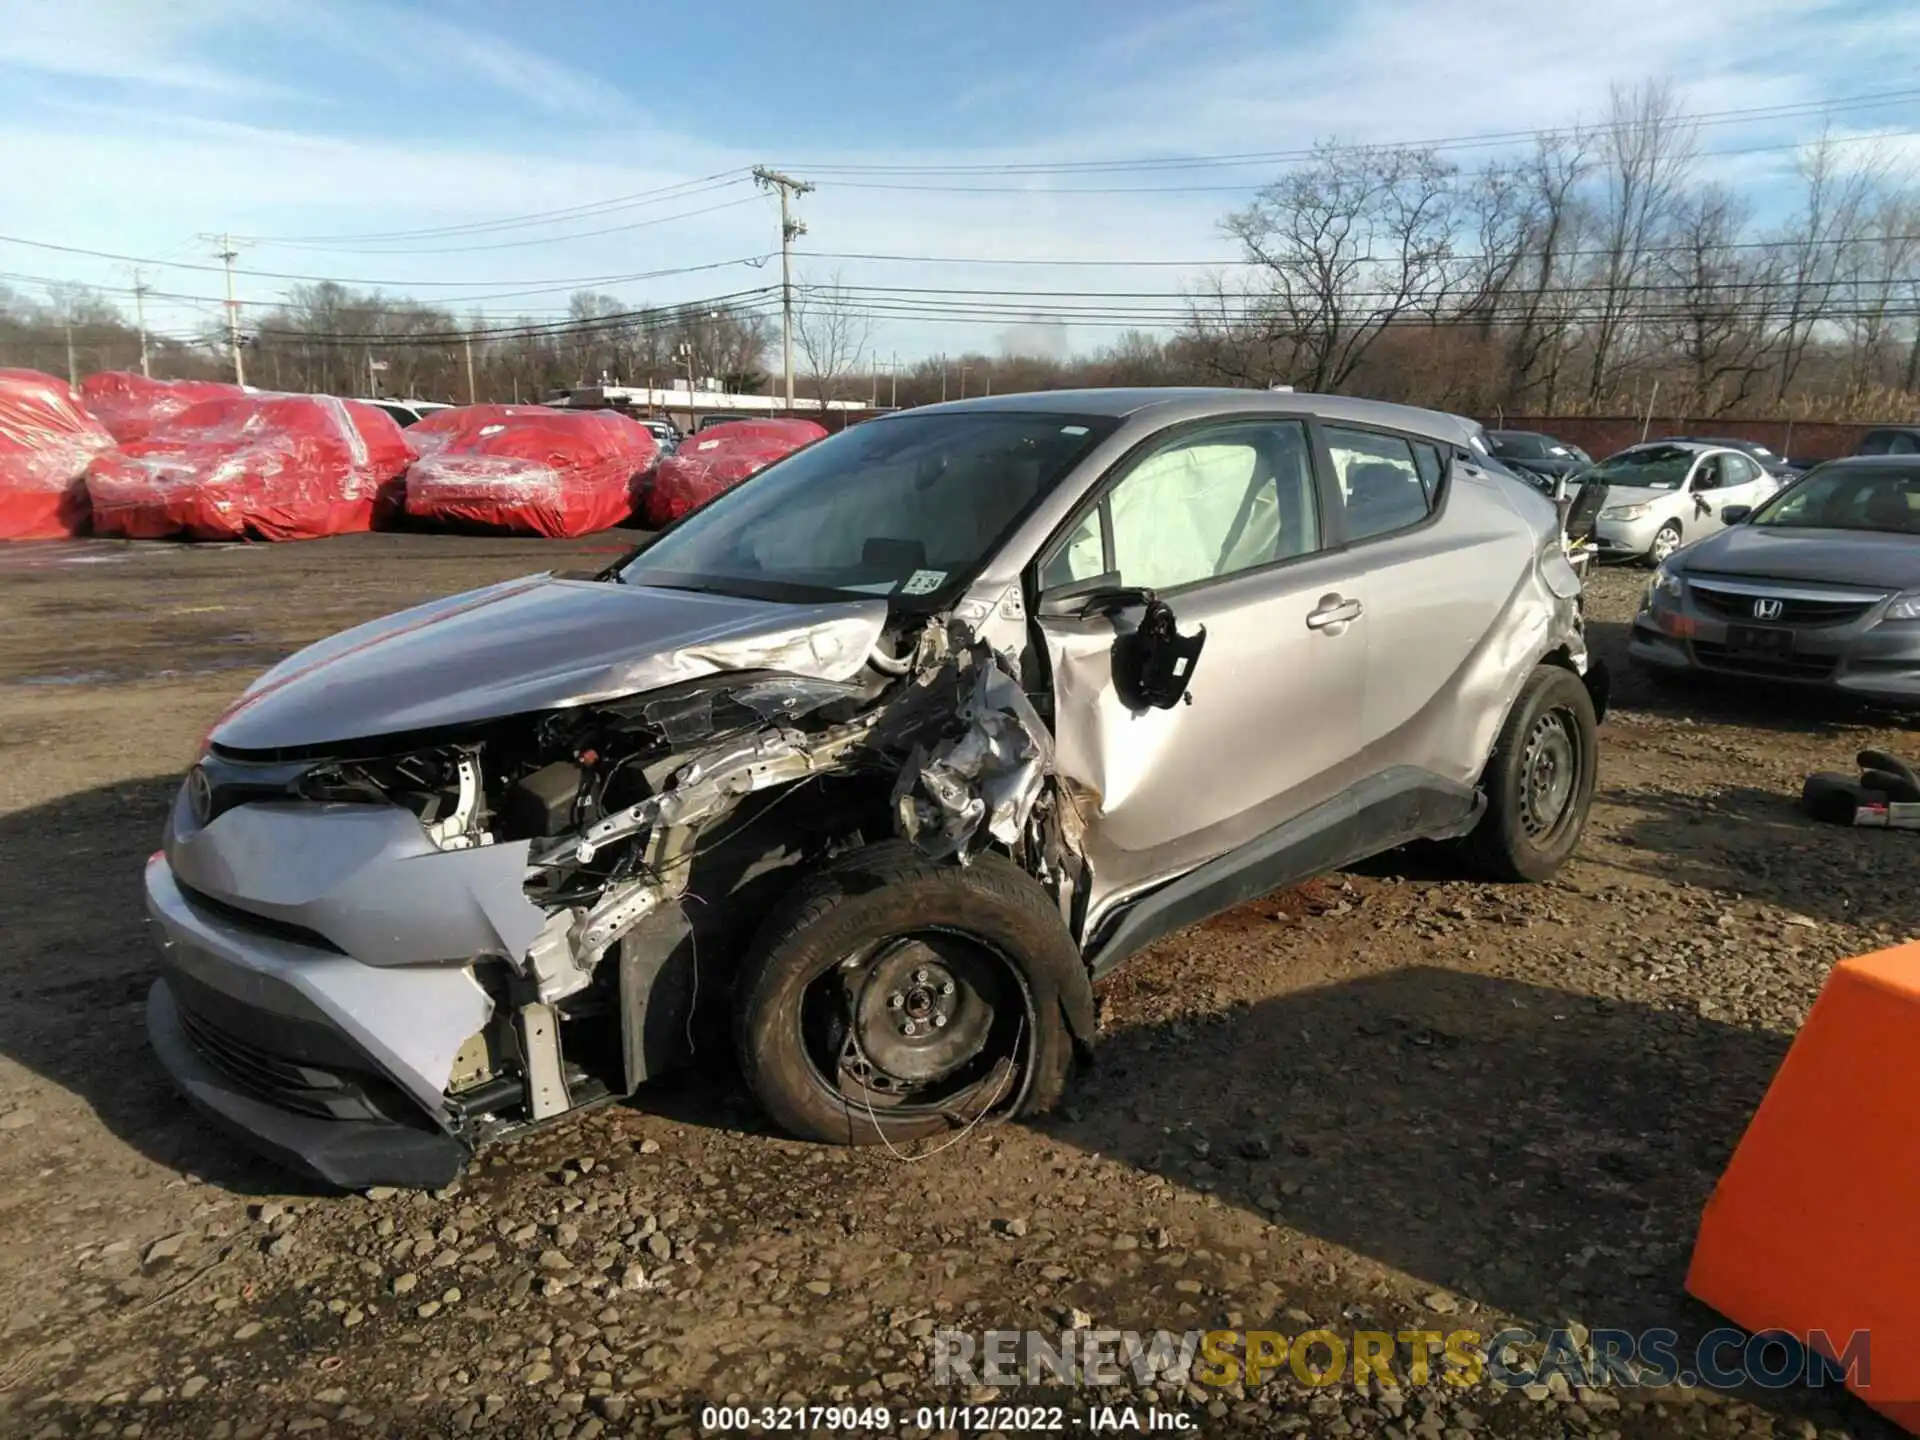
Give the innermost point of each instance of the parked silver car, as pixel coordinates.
(1668, 493)
(1819, 586)
(890, 751)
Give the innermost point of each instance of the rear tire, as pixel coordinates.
(837, 1001)
(1538, 781)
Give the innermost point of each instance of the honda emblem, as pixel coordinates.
(1767, 609)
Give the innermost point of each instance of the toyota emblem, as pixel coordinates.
(199, 795)
(1767, 609)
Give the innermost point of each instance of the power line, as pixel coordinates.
(679, 191)
(1710, 118)
(544, 239)
(1242, 261)
(556, 285)
(1244, 186)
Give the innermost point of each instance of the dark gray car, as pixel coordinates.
(1819, 586)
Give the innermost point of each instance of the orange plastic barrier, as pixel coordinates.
(1815, 1226)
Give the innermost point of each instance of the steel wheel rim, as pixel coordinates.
(861, 1051)
(1549, 772)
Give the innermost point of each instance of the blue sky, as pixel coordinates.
(137, 126)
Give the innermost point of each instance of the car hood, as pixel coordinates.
(1839, 557)
(534, 644)
(1631, 494)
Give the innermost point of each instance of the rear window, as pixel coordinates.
(1890, 442)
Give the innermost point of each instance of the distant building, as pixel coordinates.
(695, 404)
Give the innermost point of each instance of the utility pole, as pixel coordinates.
(791, 229)
(140, 316)
(229, 255)
(472, 395)
(73, 365)
(894, 399)
(687, 354)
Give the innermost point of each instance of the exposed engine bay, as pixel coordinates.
(650, 821)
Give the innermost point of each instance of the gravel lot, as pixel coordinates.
(1388, 1100)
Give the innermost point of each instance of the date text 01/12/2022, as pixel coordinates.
(880, 1419)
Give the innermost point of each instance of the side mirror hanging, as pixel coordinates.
(1154, 664)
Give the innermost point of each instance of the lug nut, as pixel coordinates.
(920, 977)
(896, 1000)
(907, 1028)
(946, 987)
(939, 1021)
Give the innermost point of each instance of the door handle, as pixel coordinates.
(1332, 610)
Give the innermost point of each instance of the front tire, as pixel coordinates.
(1665, 542)
(1538, 781)
(891, 997)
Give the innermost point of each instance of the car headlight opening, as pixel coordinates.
(1905, 607)
(1626, 512)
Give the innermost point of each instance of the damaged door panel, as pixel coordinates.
(857, 771)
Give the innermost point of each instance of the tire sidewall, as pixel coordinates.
(1654, 557)
(1549, 688)
(864, 899)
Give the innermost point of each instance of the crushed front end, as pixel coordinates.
(378, 955)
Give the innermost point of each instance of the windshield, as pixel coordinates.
(1836, 497)
(1653, 467)
(908, 506)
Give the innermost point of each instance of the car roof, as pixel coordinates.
(1731, 443)
(1173, 403)
(1695, 445)
(1873, 462)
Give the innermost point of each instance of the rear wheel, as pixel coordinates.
(892, 997)
(1538, 781)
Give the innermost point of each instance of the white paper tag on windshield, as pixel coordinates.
(923, 582)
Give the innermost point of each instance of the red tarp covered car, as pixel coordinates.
(46, 443)
(719, 458)
(132, 406)
(278, 467)
(528, 469)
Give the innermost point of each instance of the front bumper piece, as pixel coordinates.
(1848, 651)
(316, 982)
(351, 1154)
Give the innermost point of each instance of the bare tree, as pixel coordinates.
(1350, 243)
(1647, 148)
(1537, 344)
(833, 332)
(1877, 290)
(1713, 299)
(1498, 212)
(1229, 336)
(1817, 247)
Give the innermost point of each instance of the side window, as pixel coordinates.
(1380, 481)
(1209, 504)
(1427, 461)
(1707, 473)
(1743, 469)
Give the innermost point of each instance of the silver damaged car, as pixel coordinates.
(867, 770)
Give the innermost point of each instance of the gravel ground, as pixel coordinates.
(1391, 1099)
